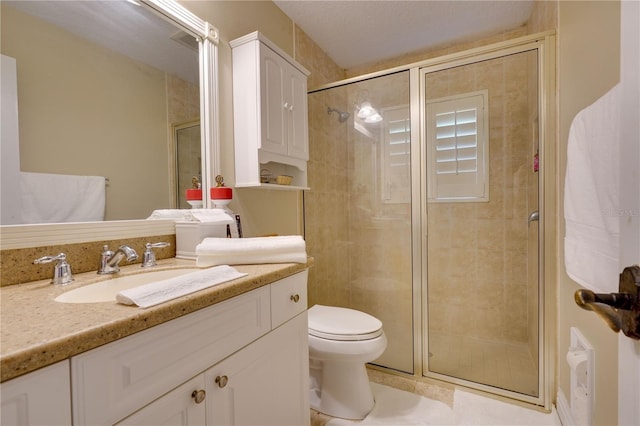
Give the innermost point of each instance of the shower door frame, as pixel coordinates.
(545, 46)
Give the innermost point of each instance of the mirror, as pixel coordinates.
(94, 108)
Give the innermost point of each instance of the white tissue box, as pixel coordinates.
(190, 234)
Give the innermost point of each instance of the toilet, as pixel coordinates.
(341, 342)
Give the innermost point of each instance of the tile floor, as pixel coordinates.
(403, 401)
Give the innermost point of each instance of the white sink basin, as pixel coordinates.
(105, 291)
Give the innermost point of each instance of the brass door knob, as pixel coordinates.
(198, 396)
(222, 381)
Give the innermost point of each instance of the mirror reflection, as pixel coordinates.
(188, 160)
(100, 87)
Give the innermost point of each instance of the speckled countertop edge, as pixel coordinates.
(36, 331)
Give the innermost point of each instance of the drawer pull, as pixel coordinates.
(198, 396)
(222, 381)
(295, 298)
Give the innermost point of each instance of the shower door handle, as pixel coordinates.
(534, 216)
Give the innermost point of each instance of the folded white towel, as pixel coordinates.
(210, 216)
(174, 214)
(243, 251)
(218, 216)
(161, 291)
(591, 197)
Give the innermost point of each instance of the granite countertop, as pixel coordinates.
(36, 331)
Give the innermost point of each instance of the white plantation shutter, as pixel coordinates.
(457, 148)
(396, 154)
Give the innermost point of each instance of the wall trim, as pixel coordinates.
(26, 236)
(564, 410)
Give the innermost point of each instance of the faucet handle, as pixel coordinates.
(149, 256)
(62, 270)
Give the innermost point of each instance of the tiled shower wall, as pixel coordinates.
(326, 221)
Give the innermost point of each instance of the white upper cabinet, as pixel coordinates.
(270, 114)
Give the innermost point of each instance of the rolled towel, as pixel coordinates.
(244, 251)
(161, 291)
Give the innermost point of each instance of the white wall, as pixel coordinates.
(588, 66)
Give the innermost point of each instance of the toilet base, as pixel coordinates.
(341, 389)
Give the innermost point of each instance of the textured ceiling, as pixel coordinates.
(358, 32)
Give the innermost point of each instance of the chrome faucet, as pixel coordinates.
(62, 270)
(149, 256)
(110, 260)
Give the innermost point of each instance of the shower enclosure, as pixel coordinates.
(187, 159)
(426, 211)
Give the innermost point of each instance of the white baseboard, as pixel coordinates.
(564, 410)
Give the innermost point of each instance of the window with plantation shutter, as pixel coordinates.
(395, 179)
(458, 147)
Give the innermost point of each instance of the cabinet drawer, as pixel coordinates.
(111, 382)
(288, 298)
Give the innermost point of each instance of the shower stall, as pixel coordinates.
(426, 211)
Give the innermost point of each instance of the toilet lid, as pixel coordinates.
(331, 322)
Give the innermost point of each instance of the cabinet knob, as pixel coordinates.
(286, 105)
(222, 381)
(295, 298)
(198, 396)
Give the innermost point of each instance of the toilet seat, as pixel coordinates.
(342, 324)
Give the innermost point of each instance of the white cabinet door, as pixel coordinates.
(296, 98)
(284, 106)
(180, 407)
(274, 106)
(39, 398)
(264, 384)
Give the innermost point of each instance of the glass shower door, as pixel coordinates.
(187, 160)
(482, 290)
(358, 213)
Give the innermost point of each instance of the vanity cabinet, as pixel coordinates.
(270, 114)
(260, 385)
(39, 398)
(227, 364)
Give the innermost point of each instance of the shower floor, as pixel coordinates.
(506, 366)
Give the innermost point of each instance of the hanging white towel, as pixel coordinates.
(161, 291)
(245, 251)
(591, 198)
(52, 198)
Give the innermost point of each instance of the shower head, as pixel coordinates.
(342, 116)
